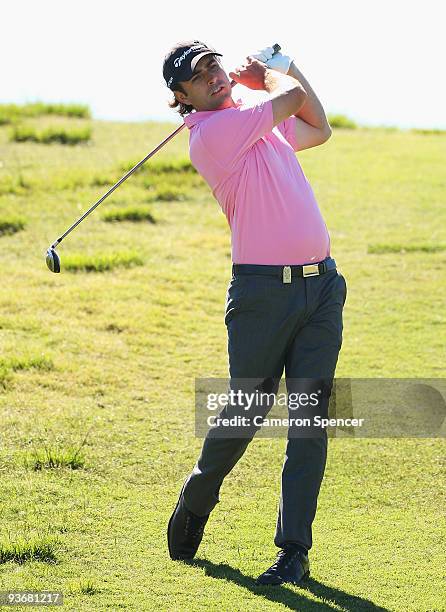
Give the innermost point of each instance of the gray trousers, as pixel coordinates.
(272, 326)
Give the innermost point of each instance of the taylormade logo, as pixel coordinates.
(178, 60)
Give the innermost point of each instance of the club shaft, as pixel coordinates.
(276, 48)
(116, 185)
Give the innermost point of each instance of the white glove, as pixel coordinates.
(278, 62)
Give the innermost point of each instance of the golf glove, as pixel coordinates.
(278, 62)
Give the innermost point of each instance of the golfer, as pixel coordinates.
(285, 298)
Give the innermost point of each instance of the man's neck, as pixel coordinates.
(228, 103)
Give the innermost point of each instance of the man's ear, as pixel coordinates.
(181, 96)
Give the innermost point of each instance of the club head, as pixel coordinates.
(53, 260)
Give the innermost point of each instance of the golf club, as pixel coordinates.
(52, 257)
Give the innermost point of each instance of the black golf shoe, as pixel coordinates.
(291, 565)
(185, 531)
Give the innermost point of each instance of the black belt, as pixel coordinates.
(286, 272)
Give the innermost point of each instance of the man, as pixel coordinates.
(285, 299)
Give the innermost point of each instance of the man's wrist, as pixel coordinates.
(274, 81)
(270, 80)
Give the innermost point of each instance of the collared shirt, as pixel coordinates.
(255, 176)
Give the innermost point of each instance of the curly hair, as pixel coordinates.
(184, 109)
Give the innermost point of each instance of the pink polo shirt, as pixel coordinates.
(255, 176)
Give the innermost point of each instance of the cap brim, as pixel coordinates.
(198, 57)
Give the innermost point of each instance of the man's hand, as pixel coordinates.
(274, 61)
(251, 74)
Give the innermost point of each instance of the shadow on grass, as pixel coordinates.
(335, 598)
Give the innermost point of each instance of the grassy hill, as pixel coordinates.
(97, 375)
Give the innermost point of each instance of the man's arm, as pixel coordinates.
(312, 127)
(288, 95)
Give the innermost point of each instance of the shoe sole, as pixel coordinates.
(304, 577)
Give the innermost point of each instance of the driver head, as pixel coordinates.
(52, 260)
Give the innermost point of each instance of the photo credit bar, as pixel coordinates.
(343, 407)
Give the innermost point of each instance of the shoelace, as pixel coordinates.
(194, 526)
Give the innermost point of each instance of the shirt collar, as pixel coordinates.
(198, 116)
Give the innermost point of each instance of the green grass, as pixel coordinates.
(49, 458)
(378, 249)
(87, 587)
(127, 345)
(157, 166)
(101, 262)
(5, 377)
(17, 364)
(164, 193)
(10, 113)
(129, 214)
(13, 184)
(341, 121)
(68, 136)
(11, 225)
(429, 132)
(75, 179)
(54, 457)
(25, 363)
(34, 548)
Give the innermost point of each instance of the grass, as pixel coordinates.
(165, 193)
(341, 121)
(10, 113)
(101, 262)
(166, 166)
(75, 179)
(11, 225)
(17, 364)
(26, 363)
(35, 548)
(50, 458)
(379, 249)
(127, 345)
(87, 587)
(68, 136)
(5, 377)
(13, 184)
(429, 132)
(129, 214)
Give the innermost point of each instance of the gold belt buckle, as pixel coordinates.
(286, 274)
(310, 270)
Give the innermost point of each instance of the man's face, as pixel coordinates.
(209, 88)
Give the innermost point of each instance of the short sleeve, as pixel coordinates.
(229, 134)
(288, 130)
